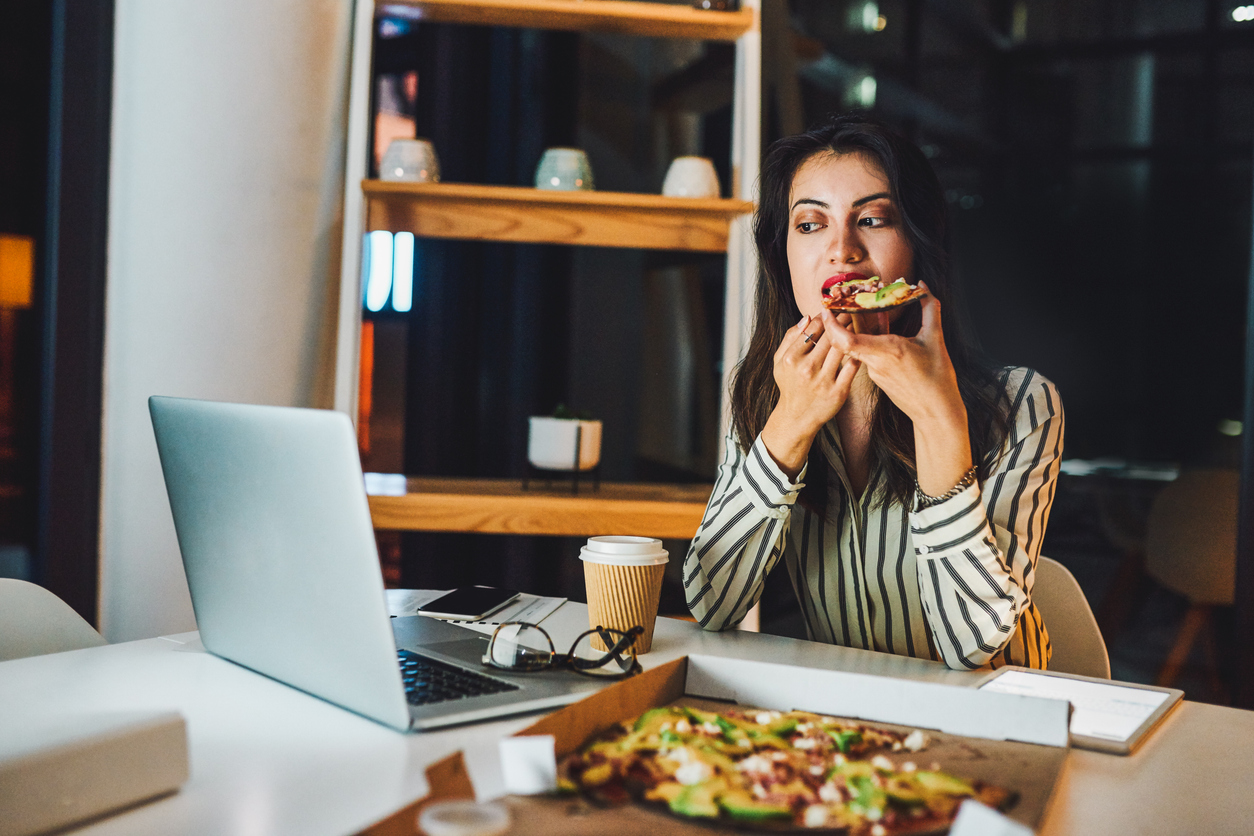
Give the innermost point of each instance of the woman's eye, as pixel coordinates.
(872, 222)
(806, 227)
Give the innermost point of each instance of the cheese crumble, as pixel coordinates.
(815, 815)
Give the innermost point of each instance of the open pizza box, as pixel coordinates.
(1016, 742)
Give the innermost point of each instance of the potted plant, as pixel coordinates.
(565, 440)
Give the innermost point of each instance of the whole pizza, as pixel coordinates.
(776, 770)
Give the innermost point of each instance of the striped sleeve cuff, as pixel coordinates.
(768, 487)
(950, 526)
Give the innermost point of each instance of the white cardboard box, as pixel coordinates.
(1019, 743)
(78, 767)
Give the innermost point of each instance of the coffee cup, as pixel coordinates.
(623, 576)
(691, 177)
(564, 169)
(410, 160)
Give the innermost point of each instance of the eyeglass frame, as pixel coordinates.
(568, 659)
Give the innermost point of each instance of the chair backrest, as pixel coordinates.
(1191, 536)
(1073, 632)
(33, 622)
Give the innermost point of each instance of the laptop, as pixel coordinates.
(269, 505)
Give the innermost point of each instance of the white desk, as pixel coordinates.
(267, 759)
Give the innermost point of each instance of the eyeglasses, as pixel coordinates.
(603, 651)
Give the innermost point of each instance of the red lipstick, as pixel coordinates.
(839, 278)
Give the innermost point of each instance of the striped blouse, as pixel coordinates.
(952, 581)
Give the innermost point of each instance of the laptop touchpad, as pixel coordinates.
(467, 651)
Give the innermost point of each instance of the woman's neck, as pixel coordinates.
(854, 423)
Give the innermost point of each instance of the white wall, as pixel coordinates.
(225, 193)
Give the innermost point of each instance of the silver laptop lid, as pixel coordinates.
(272, 520)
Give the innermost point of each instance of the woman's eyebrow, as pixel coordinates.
(810, 200)
(870, 197)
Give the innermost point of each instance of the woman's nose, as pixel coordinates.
(846, 248)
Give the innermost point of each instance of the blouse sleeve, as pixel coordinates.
(976, 551)
(741, 536)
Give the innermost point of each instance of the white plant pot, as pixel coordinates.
(551, 443)
(691, 177)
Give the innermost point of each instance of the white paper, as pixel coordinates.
(975, 819)
(407, 601)
(529, 764)
(1102, 709)
(530, 608)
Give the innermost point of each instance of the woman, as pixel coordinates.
(905, 485)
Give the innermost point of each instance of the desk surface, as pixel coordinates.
(267, 759)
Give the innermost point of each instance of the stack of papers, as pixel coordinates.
(530, 608)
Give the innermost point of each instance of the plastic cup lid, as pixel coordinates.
(624, 550)
(463, 818)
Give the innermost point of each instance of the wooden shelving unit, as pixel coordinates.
(620, 16)
(501, 506)
(510, 213)
(500, 213)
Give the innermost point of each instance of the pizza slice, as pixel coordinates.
(862, 295)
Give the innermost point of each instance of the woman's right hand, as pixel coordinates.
(814, 380)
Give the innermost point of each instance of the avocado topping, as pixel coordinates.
(698, 800)
(868, 799)
(655, 717)
(844, 739)
(897, 288)
(742, 806)
(939, 782)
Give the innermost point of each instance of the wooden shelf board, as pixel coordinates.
(501, 506)
(539, 216)
(621, 16)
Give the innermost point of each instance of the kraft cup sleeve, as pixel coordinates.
(623, 597)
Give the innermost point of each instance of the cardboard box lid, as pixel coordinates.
(948, 708)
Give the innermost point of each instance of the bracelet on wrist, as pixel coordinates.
(922, 500)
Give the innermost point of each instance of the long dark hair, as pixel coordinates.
(917, 195)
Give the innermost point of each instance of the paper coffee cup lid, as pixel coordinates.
(463, 818)
(624, 550)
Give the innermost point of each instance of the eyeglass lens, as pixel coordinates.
(520, 647)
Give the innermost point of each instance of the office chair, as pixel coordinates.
(1073, 633)
(1191, 549)
(33, 622)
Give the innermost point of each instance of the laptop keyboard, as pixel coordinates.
(428, 681)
